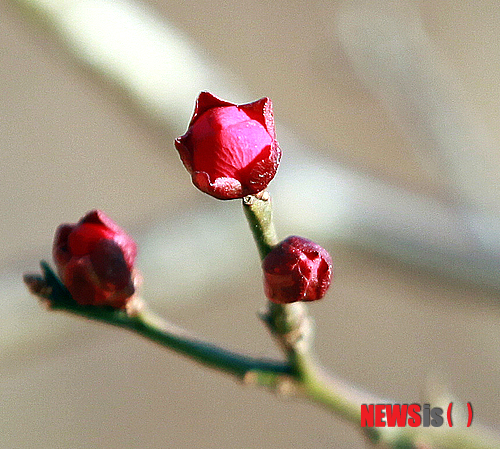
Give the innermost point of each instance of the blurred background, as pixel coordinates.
(387, 117)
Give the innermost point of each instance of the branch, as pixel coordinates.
(299, 376)
(291, 325)
(146, 323)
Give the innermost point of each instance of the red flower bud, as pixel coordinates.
(230, 150)
(297, 269)
(95, 261)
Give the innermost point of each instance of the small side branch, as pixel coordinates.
(144, 322)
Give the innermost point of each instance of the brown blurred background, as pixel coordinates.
(356, 85)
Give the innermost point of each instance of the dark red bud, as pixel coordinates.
(297, 269)
(95, 261)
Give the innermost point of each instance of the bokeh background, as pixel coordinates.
(387, 114)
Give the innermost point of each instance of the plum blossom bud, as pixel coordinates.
(297, 269)
(95, 261)
(230, 150)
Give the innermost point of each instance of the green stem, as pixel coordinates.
(154, 328)
(151, 326)
(259, 214)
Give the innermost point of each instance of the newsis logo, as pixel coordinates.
(413, 415)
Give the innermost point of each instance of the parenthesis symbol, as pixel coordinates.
(471, 414)
(448, 415)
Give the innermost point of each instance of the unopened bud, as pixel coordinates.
(95, 261)
(297, 269)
